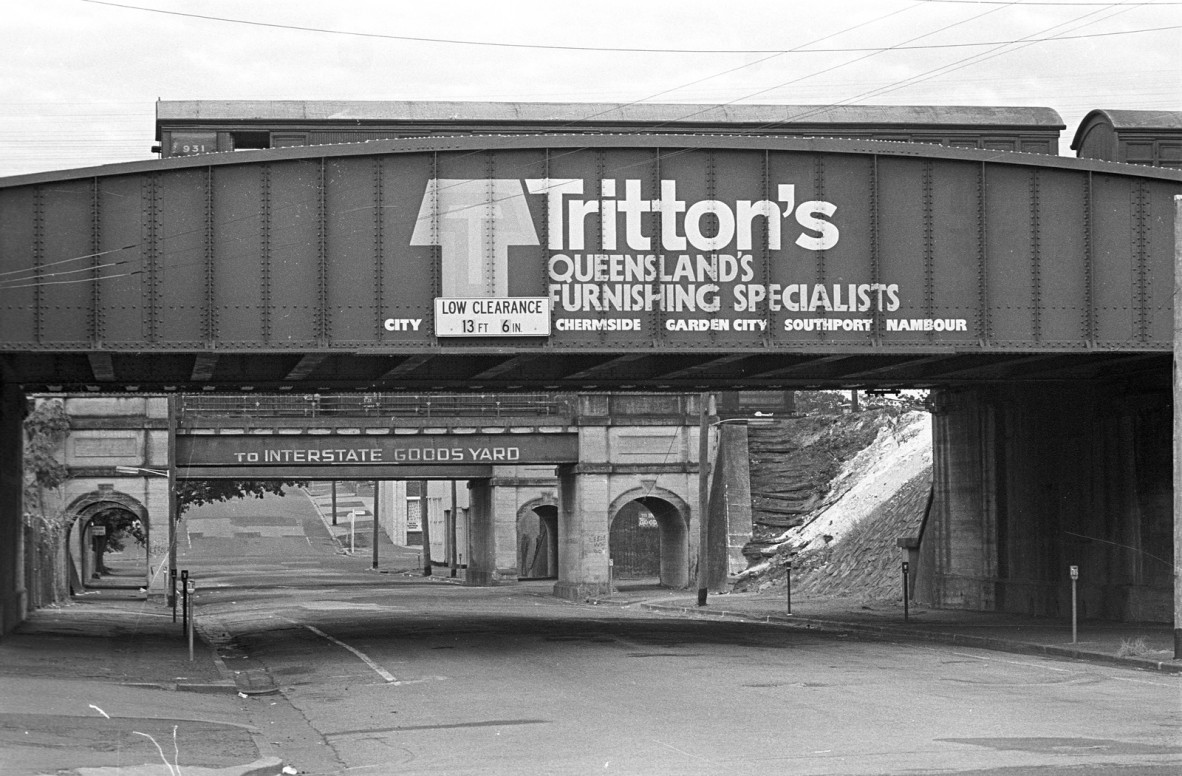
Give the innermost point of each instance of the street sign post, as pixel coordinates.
(1074, 571)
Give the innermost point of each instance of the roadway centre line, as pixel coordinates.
(389, 677)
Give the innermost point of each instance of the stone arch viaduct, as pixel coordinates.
(1031, 293)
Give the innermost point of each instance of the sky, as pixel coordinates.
(79, 78)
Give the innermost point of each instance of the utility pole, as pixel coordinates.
(426, 528)
(375, 524)
(705, 412)
(451, 552)
(173, 502)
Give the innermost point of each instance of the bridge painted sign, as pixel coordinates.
(291, 454)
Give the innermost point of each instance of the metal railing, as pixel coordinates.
(377, 405)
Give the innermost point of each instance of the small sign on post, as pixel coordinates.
(906, 592)
(788, 585)
(184, 600)
(190, 590)
(1074, 572)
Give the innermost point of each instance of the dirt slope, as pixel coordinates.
(832, 492)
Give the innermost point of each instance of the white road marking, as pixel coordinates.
(342, 606)
(389, 677)
(680, 751)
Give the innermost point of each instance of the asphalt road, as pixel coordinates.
(394, 674)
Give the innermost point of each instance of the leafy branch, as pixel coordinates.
(46, 428)
(192, 493)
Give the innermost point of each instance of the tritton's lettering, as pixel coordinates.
(618, 248)
(706, 225)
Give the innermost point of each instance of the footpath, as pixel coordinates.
(1145, 646)
(104, 686)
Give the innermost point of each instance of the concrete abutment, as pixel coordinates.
(1033, 479)
(12, 583)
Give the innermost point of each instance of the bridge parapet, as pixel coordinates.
(376, 413)
(637, 409)
(444, 414)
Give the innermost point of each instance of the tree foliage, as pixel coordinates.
(46, 428)
(121, 525)
(192, 493)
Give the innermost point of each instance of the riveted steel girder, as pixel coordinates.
(325, 263)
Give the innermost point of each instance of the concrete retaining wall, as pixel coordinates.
(1033, 479)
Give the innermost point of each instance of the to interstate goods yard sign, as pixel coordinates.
(595, 242)
(358, 451)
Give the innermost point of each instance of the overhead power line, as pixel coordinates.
(625, 49)
(964, 62)
(1046, 4)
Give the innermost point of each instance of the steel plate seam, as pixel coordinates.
(153, 291)
(436, 260)
(265, 250)
(929, 218)
(875, 246)
(1141, 257)
(711, 196)
(658, 337)
(96, 240)
(378, 246)
(601, 173)
(984, 317)
(209, 301)
(323, 314)
(1035, 258)
(490, 223)
(38, 258)
(1089, 312)
(819, 193)
(545, 225)
(766, 173)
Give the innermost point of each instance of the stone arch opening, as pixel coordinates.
(537, 539)
(649, 538)
(109, 541)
